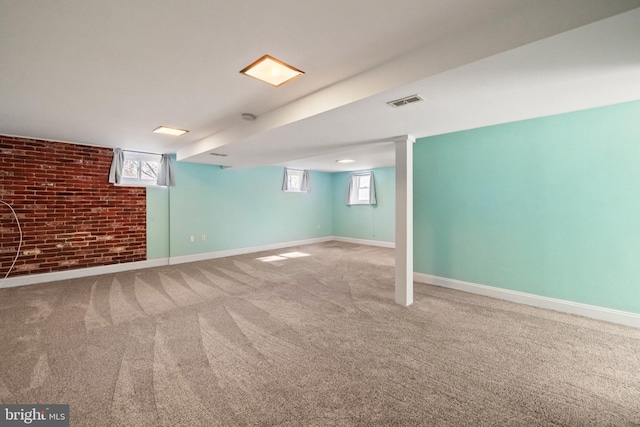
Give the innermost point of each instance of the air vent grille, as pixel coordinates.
(219, 154)
(406, 100)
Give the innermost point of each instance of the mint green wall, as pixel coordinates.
(548, 206)
(157, 222)
(365, 222)
(238, 208)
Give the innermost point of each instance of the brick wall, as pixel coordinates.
(71, 217)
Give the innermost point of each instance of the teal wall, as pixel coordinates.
(157, 222)
(234, 208)
(365, 221)
(548, 206)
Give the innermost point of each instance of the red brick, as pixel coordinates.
(68, 210)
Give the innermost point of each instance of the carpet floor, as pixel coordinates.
(311, 340)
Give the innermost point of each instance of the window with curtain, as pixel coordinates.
(296, 181)
(362, 189)
(140, 168)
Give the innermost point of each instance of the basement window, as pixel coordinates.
(140, 168)
(362, 190)
(296, 181)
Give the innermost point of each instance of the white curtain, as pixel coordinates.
(115, 173)
(372, 191)
(356, 185)
(300, 185)
(305, 186)
(285, 182)
(166, 175)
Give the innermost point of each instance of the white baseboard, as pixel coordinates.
(595, 312)
(365, 242)
(32, 279)
(242, 251)
(592, 311)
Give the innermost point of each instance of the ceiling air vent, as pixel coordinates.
(219, 154)
(405, 101)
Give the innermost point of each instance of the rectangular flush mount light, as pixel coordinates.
(170, 131)
(271, 70)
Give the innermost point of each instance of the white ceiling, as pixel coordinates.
(107, 73)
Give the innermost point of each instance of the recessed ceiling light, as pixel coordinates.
(271, 70)
(345, 161)
(170, 131)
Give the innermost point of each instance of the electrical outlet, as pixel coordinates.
(192, 239)
(204, 237)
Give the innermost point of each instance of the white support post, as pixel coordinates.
(404, 220)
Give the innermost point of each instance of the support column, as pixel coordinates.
(404, 220)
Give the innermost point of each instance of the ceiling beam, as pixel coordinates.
(536, 21)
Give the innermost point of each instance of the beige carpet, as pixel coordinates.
(307, 341)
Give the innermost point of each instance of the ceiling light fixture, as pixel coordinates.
(345, 161)
(170, 131)
(271, 70)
